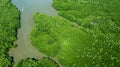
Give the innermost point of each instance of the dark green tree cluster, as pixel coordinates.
(9, 22)
(31, 62)
(76, 10)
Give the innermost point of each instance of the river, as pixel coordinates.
(28, 8)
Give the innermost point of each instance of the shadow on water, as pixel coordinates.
(28, 8)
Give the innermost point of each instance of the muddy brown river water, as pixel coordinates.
(28, 8)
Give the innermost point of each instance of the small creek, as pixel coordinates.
(28, 8)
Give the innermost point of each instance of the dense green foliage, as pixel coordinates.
(51, 34)
(76, 10)
(44, 62)
(101, 18)
(9, 22)
(92, 39)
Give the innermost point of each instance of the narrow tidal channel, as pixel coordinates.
(28, 8)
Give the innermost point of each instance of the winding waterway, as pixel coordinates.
(28, 8)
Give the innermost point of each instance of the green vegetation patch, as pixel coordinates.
(44, 62)
(68, 41)
(101, 19)
(76, 10)
(9, 22)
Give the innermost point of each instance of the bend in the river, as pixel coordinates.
(28, 8)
